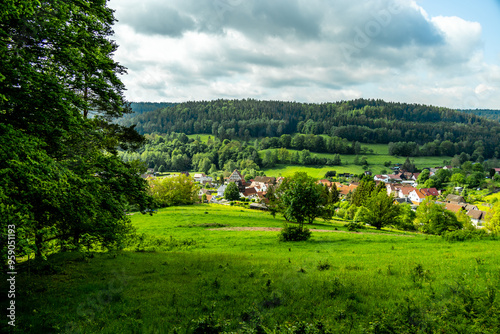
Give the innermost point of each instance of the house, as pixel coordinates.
(381, 178)
(469, 207)
(204, 191)
(236, 176)
(454, 199)
(405, 191)
(221, 190)
(344, 190)
(430, 192)
(454, 207)
(265, 179)
(402, 201)
(325, 182)
(198, 176)
(249, 193)
(497, 170)
(394, 178)
(416, 196)
(392, 189)
(478, 217)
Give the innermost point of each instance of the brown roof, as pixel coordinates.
(476, 214)
(265, 179)
(455, 199)
(430, 191)
(453, 207)
(249, 191)
(419, 193)
(325, 182)
(407, 190)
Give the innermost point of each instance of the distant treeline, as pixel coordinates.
(487, 113)
(142, 107)
(368, 121)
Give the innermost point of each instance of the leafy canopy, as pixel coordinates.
(62, 181)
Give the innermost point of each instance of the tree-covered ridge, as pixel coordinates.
(142, 107)
(487, 113)
(370, 121)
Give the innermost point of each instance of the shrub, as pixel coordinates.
(463, 235)
(294, 233)
(354, 226)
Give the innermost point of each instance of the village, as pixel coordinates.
(401, 184)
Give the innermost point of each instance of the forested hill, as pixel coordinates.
(369, 121)
(487, 113)
(142, 107)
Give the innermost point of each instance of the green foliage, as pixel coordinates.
(433, 218)
(381, 210)
(493, 220)
(346, 120)
(404, 220)
(232, 192)
(173, 190)
(300, 198)
(464, 235)
(63, 183)
(294, 233)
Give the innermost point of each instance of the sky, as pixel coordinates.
(434, 52)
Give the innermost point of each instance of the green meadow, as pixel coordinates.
(375, 161)
(214, 269)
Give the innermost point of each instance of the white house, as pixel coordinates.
(221, 190)
(416, 196)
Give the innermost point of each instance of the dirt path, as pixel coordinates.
(277, 229)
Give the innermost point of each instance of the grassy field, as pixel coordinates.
(375, 163)
(203, 137)
(182, 276)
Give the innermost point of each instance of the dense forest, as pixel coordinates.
(487, 113)
(368, 121)
(142, 107)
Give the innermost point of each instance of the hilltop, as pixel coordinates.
(368, 121)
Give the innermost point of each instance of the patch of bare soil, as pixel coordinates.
(277, 229)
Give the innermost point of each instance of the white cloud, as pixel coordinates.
(304, 50)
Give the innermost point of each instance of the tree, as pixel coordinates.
(409, 166)
(493, 220)
(433, 218)
(381, 210)
(62, 178)
(405, 218)
(232, 192)
(363, 192)
(424, 176)
(300, 199)
(175, 190)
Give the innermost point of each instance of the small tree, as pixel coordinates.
(433, 218)
(493, 220)
(170, 191)
(381, 210)
(232, 192)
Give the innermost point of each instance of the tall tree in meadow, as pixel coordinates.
(62, 179)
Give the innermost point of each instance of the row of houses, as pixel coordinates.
(254, 189)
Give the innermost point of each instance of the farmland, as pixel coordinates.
(189, 269)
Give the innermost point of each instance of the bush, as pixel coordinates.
(463, 235)
(354, 226)
(294, 233)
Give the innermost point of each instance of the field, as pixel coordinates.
(375, 163)
(195, 269)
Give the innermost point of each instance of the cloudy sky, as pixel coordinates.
(438, 52)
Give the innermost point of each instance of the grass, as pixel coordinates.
(203, 137)
(376, 163)
(351, 282)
